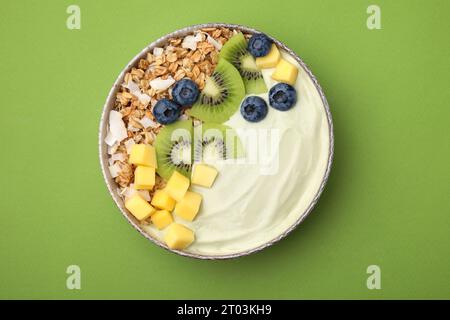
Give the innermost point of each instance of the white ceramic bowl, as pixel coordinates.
(111, 184)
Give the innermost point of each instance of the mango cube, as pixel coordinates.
(285, 72)
(270, 60)
(161, 219)
(138, 207)
(144, 178)
(178, 236)
(204, 175)
(143, 155)
(189, 206)
(177, 186)
(162, 200)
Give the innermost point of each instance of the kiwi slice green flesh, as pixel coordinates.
(174, 150)
(216, 142)
(221, 96)
(235, 51)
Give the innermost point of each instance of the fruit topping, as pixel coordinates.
(162, 200)
(270, 60)
(235, 51)
(185, 92)
(259, 45)
(174, 149)
(189, 206)
(254, 109)
(282, 96)
(161, 219)
(216, 142)
(285, 72)
(166, 111)
(204, 175)
(138, 207)
(143, 155)
(221, 95)
(178, 236)
(144, 178)
(177, 186)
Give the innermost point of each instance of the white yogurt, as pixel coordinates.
(245, 209)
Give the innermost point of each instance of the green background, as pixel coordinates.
(386, 202)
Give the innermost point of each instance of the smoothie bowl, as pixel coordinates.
(216, 141)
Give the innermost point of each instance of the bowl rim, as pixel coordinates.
(103, 155)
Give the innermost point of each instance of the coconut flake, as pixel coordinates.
(130, 191)
(132, 86)
(133, 128)
(129, 144)
(117, 126)
(144, 99)
(113, 149)
(145, 195)
(161, 84)
(214, 42)
(147, 122)
(114, 170)
(110, 140)
(118, 157)
(136, 91)
(157, 51)
(190, 42)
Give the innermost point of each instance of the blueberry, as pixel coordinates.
(166, 111)
(259, 45)
(282, 96)
(254, 109)
(185, 92)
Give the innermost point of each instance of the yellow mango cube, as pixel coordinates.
(162, 200)
(189, 206)
(270, 60)
(138, 207)
(178, 236)
(144, 178)
(177, 186)
(161, 219)
(143, 155)
(285, 72)
(204, 175)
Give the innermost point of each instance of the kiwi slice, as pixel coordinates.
(215, 142)
(174, 149)
(221, 96)
(235, 51)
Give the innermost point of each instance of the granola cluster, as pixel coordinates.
(194, 56)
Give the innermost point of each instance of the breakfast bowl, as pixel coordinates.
(246, 205)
